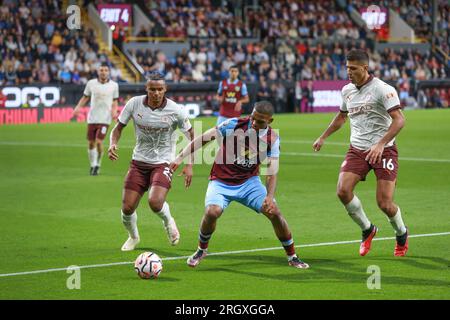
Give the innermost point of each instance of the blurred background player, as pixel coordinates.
(155, 119)
(235, 176)
(103, 93)
(376, 118)
(232, 93)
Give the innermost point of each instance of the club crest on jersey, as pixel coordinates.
(165, 119)
(237, 88)
(139, 115)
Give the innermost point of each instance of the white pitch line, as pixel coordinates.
(342, 156)
(222, 254)
(296, 154)
(49, 144)
(331, 143)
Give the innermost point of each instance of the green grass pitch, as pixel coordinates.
(54, 215)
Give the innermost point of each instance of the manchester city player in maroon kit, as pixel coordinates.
(232, 93)
(245, 143)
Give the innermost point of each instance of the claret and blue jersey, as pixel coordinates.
(235, 172)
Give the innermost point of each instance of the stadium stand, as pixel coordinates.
(37, 47)
(418, 14)
(276, 42)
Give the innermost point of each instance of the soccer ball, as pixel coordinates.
(148, 265)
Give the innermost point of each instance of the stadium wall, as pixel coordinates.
(55, 103)
(46, 103)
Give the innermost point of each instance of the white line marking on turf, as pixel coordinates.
(331, 143)
(329, 155)
(296, 154)
(223, 253)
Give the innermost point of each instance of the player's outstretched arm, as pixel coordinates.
(81, 103)
(337, 122)
(196, 144)
(114, 140)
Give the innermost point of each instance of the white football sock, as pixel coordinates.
(397, 223)
(164, 214)
(99, 158)
(130, 223)
(356, 212)
(92, 153)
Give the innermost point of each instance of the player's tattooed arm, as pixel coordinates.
(114, 140)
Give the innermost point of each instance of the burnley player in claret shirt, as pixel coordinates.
(245, 143)
(232, 93)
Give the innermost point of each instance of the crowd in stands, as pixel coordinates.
(37, 46)
(285, 40)
(272, 19)
(289, 46)
(418, 15)
(196, 18)
(433, 98)
(209, 60)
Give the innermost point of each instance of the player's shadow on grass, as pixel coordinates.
(162, 278)
(323, 270)
(415, 261)
(163, 253)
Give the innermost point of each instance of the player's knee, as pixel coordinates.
(91, 144)
(213, 212)
(385, 205)
(156, 204)
(343, 194)
(127, 209)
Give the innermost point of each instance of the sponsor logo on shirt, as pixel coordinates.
(152, 130)
(390, 95)
(359, 110)
(231, 97)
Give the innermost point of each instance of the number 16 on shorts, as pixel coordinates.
(388, 164)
